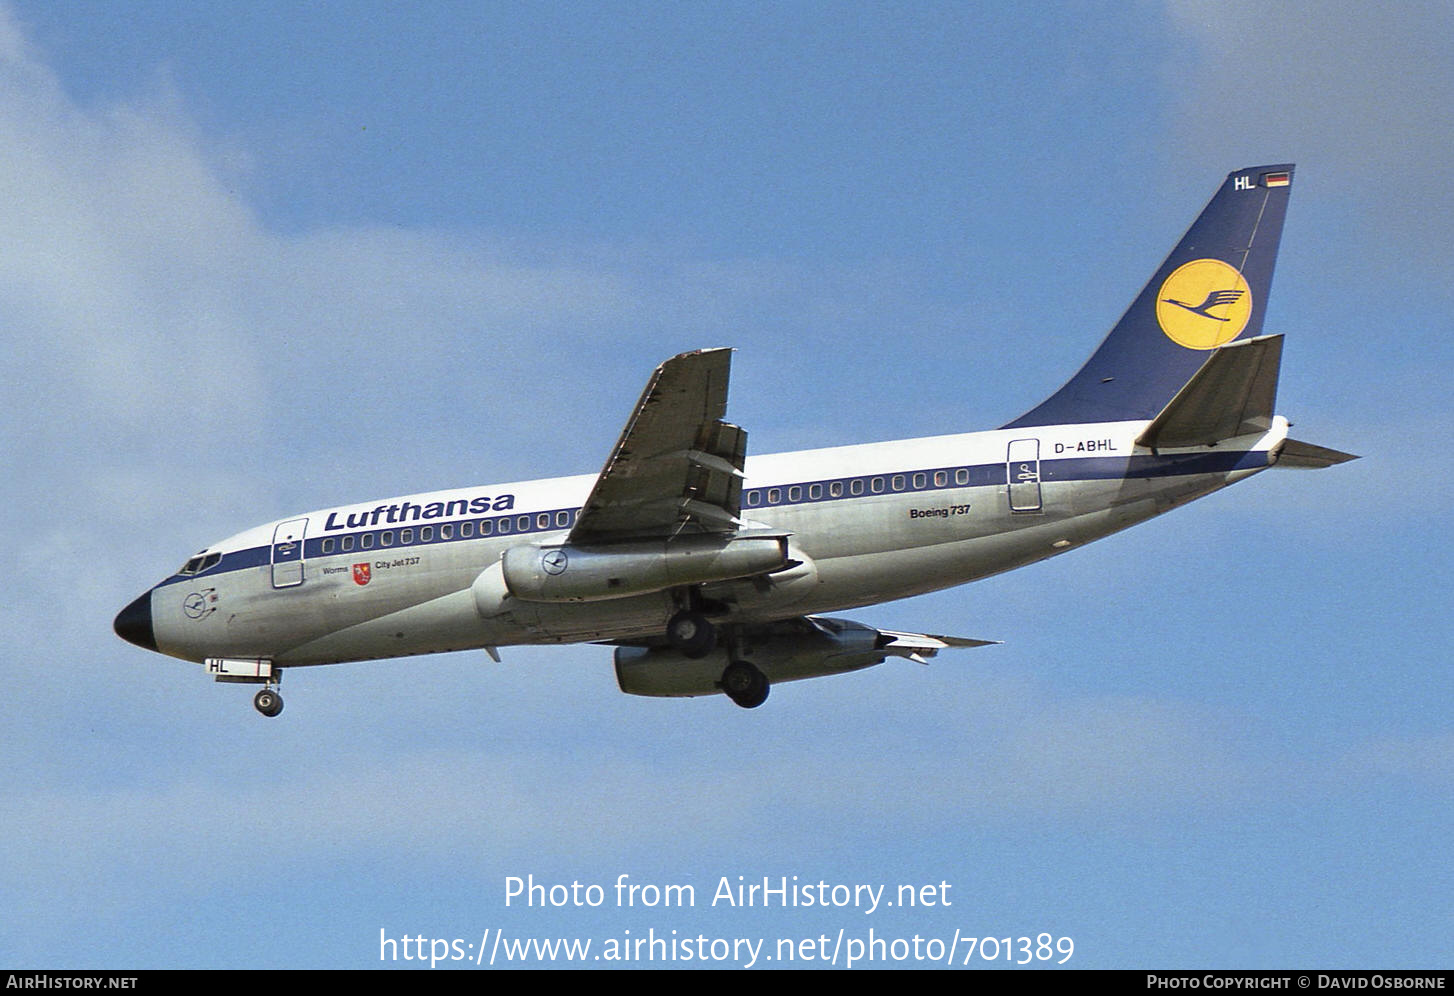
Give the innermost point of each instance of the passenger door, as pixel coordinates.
(1022, 474)
(288, 553)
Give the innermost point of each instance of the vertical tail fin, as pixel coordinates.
(1210, 291)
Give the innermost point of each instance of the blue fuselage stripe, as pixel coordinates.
(984, 475)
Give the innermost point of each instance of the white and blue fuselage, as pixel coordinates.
(876, 522)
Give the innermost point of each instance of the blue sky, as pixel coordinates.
(268, 259)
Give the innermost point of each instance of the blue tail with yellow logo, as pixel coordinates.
(1211, 290)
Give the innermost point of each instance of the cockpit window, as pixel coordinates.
(200, 563)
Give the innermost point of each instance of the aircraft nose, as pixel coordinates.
(133, 623)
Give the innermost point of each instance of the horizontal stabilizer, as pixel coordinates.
(1295, 453)
(1233, 394)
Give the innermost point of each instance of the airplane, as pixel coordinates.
(711, 572)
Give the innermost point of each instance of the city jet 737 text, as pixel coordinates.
(710, 571)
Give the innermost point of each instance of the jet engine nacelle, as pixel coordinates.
(566, 573)
(787, 651)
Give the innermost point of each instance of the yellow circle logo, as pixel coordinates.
(1203, 304)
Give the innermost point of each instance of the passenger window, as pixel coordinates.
(919, 481)
(487, 526)
(562, 519)
(815, 491)
(774, 495)
(542, 521)
(795, 493)
(898, 482)
(876, 485)
(523, 524)
(328, 546)
(405, 536)
(466, 530)
(347, 544)
(940, 478)
(446, 532)
(961, 476)
(505, 525)
(367, 542)
(426, 534)
(387, 539)
(856, 487)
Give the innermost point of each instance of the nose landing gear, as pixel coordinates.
(268, 702)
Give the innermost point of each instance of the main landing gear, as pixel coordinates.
(745, 684)
(268, 701)
(694, 636)
(691, 634)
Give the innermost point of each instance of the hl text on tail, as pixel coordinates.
(711, 571)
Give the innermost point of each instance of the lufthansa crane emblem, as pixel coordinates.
(1204, 304)
(554, 562)
(200, 603)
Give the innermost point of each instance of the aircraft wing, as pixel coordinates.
(918, 646)
(677, 466)
(837, 637)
